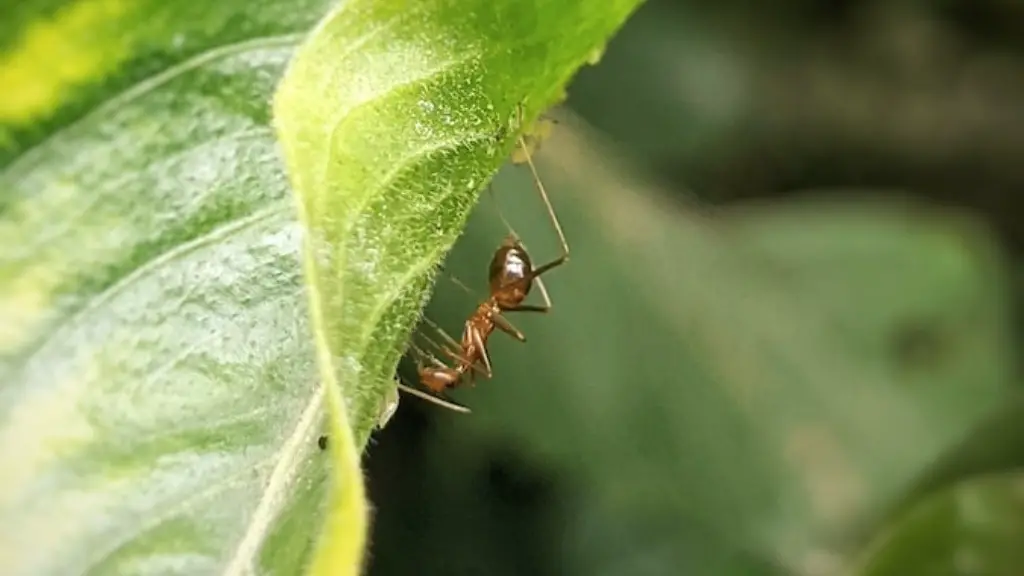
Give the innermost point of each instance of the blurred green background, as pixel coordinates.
(788, 338)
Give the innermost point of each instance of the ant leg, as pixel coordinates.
(528, 308)
(424, 355)
(551, 214)
(505, 326)
(452, 346)
(462, 285)
(443, 350)
(444, 335)
(432, 398)
(533, 307)
(481, 346)
(512, 237)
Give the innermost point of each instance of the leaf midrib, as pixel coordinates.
(289, 459)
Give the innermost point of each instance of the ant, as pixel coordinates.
(511, 276)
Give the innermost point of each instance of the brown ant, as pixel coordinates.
(511, 276)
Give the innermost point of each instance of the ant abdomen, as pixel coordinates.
(511, 275)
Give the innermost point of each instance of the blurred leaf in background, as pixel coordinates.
(741, 390)
(757, 389)
(972, 527)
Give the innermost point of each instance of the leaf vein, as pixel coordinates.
(288, 458)
(178, 505)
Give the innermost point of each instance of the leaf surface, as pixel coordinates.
(156, 409)
(160, 397)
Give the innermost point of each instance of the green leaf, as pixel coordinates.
(388, 159)
(160, 397)
(973, 527)
(156, 405)
(773, 378)
(156, 363)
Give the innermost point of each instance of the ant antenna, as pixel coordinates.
(462, 285)
(501, 214)
(454, 279)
